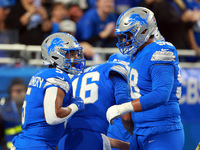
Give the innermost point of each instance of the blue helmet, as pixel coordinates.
(63, 51)
(134, 27)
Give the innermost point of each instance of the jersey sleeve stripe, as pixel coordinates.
(121, 70)
(57, 82)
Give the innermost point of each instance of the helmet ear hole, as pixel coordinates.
(54, 57)
(143, 32)
(144, 11)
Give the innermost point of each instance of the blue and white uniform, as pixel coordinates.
(36, 133)
(86, 130)
(117, 130)
(155, 79)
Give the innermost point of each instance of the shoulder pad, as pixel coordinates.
(121, 70)
(164, 51)
(163, 56)
(58, 82)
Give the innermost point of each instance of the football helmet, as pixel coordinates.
(134, 27)
(63, 51)
(158, 36)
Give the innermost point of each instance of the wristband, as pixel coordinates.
(125, 108)
(74, 109)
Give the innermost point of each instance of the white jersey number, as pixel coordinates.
(23, 112)
(91, 88)
(135, 91)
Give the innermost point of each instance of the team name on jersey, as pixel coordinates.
(36, 82)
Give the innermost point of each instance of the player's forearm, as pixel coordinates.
(136, 105)
(118, 144)
(53, 112)
(154, 99)
(63, 112)
(66, 112)
(162, 84)
(128, 123)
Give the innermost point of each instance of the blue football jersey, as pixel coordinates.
(96, 88)
(33, 121)
(157, 53)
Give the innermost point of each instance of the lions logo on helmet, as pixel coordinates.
(63, 51)
(134, 27)
(55, 42)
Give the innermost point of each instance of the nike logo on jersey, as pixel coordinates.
(60, 78)
(162, 49)
(151, 141)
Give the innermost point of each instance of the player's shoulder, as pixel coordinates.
(117, 68)
(162, 46)
(53, 73)
(52, 77)
(55, 77)
(162, 52)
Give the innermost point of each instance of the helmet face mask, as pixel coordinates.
(63, 51)
(126, 43)
(75, 61)
(138, 21)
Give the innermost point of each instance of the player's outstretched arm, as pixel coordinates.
(118, 144)
(53, 110)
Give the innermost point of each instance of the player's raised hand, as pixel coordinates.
(79, 103)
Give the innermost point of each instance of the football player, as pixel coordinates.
(155, 83)
(49, 102)
(100, 86)
(117, 130)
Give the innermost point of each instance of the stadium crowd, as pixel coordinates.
(93, 21)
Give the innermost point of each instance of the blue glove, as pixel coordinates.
(79, 103)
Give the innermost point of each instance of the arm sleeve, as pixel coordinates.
(162, 82)
(121, 90)
(49, 107)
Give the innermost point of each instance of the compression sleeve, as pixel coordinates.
(121, 90)
(162, 82)
(49, 107)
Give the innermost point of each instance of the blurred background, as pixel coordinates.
(25, 23)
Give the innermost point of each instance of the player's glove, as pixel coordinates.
(79, 103)
(116, 111)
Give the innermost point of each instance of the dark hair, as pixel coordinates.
(16, 81)
(58, 4)
(71, 4)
